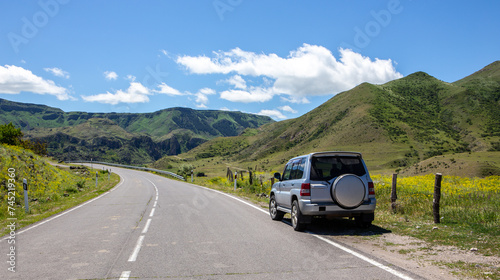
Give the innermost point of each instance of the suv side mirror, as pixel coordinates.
(277, 176)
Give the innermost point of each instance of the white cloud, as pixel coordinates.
(287, 109)
(295, 99)
(272, 113)
(277, 114)
(308, 71)
(136, 93)
(166, 89)
(202, 97)
(166, 53)
(237, 81)
(130, 78)
(255, 94)
(57, 72)
(110, 75)
(14, 80)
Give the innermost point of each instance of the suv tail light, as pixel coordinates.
(305, 189)
(371, 188)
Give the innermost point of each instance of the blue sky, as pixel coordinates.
(276, 58)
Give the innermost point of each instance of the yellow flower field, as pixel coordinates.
(472, 203)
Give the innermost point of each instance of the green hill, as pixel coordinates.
(394, 125)
(51, 189)
(124, 137)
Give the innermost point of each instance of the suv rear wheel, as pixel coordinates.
(364, 220)
(276, 214)
(297, 219)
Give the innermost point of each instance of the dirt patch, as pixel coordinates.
(423, 259)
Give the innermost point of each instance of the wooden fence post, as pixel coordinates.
(437, 198)
(229, 175)
(394, 194)
(261, 183)
(235, 179)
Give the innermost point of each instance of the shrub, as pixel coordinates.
(80, 184)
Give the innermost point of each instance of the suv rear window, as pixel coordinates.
(325, 168)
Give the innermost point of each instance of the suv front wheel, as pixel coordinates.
(276, 214)
(297, 218)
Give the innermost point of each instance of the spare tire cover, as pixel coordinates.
(348, 191)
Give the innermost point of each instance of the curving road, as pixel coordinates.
(151, 227)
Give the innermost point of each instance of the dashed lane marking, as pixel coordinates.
(125, 275)
(146, 227)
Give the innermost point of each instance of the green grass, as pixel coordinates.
(50, 189)
(471, 270)
(470, 210)
(244, 189)
(469, 215)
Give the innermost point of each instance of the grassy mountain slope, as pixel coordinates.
(394, 125)
(124, 137)
(50, 189)
(100, 139)
(203, 123)
(480, 102)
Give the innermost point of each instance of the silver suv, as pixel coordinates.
(333, 184)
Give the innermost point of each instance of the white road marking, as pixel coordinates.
(68, 211)
(133, 257)
(146, 227)
(137, 248)
(233, 197)
(373, 262)
(125, 275)
(366, 259)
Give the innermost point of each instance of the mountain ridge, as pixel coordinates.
(395, 125)
(138, 138)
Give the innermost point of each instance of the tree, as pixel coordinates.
(10, 135)
(185, 170)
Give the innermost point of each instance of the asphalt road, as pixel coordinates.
(151, 227)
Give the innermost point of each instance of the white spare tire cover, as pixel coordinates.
(348, 191)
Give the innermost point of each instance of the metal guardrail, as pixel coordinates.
(131, 167)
